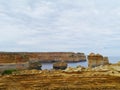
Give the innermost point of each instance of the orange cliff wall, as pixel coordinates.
(97, 60)
(13, 61)
(16, 57)
(57, 56)
(8, 57)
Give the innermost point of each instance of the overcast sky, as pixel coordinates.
(60, 25)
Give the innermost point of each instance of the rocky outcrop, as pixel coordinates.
(97, 60)
(75, 69)
(35, 65)
(60, 65)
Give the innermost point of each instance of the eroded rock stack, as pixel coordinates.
(60, 65)
(106, 60)
(97, 60)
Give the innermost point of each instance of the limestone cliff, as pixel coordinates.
(97, 60)
(57, 56)
(10, 57)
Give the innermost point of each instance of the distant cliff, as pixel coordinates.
(16, 57)
(10, 57)
(33, 60)
(57, 56)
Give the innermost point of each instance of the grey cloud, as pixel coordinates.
(57, 25)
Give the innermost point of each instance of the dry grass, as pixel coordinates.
(60, 81)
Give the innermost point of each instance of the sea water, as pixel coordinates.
(74, 64)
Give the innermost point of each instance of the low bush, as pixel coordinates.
(7, 72)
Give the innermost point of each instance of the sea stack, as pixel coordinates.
(60, 65)
(97, 60)
(106, 60)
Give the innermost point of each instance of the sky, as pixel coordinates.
(60, 25)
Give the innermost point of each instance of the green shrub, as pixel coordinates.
(7, 72)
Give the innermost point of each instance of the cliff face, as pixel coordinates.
(106, 60)
(57, 56)
(97, 60)
(9, 57)
(13, 61)
(6, 57)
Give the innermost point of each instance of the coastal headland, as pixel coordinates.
(13, 57)
(32, 60)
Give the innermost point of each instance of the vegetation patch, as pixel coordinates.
(7, 72)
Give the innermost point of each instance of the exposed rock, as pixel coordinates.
(60, 65)
(18, 58)
(69, 69)
(35, 65)
(106, 60)
(75, 69)
(97, 60)
(91, 54)
(13, 57)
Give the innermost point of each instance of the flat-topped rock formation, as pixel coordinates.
(10, 57)
(97, 60)
(57, 56)
(60, 65)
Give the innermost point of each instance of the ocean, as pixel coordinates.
(112, 59)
